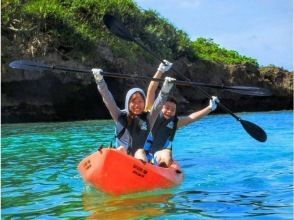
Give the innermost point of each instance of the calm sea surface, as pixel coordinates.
(228, 175)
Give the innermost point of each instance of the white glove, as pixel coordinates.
(167, 85)
(97, 74)
(213, 103)
(163, 67)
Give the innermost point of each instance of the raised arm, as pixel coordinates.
(160, 100)
(199, 114)
(106, 95)
(163, 67)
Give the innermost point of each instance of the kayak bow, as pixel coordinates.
(116, 173)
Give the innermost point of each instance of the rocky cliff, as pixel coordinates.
(31, 96)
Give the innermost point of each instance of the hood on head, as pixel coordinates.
(129, 95)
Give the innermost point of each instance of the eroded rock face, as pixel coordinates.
(30, 96)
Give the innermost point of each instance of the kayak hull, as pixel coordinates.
(116, 173)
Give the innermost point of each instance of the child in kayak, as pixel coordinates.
(164, 129)
(132, 124)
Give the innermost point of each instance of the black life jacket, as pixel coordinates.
(163, 132)
(136, 131)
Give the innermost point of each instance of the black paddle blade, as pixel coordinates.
(116, 27)
(253, 91)
(250, 93)
(249, 90)
(28, 65)
(255, 131)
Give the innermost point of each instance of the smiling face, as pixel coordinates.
(136, 104)
(169, 109)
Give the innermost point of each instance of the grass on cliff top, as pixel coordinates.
(76, 25)
(209, 50)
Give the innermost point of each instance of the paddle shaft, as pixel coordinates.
(223, 107)
(30, 65)
(220, 105)
(254, 91)
(252, 129)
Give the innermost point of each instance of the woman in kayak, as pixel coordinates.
(132, 124)
(158, 144)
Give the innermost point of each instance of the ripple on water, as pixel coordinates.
(227, 175)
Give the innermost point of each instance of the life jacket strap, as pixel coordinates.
(174, 128)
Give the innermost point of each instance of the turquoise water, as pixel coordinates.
(228, 175)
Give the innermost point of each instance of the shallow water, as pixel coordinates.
(227, 174)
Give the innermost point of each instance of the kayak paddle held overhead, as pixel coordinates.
(117, 28)
(252, 129)
(36, 66)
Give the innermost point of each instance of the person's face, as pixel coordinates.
(169, 109)
(136, 104)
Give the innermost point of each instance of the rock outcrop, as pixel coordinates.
(31, 96)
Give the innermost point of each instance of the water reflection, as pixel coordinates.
(140, 205)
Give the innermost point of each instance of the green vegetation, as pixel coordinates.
(75, 28)
(208, 50)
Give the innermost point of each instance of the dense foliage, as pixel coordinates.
(208, 50)
(75, 28)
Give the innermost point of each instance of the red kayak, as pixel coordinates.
(116, 173)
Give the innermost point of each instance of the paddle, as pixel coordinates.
(30, 65)
(117, 28)
(252, 129)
